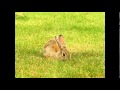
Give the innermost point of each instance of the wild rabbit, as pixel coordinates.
(56, 48)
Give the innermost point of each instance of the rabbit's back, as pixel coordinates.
(51, 49)
(50, 43)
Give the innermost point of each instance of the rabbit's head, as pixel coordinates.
(64, 53)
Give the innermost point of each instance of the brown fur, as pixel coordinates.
(56, 48)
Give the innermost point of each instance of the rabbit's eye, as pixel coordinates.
(63, 54)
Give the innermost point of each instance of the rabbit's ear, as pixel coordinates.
(58, 42)
(61, 40)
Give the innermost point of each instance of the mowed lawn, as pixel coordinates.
(84, 33)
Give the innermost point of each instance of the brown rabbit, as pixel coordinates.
(56, 48)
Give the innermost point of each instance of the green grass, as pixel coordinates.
(84, 34)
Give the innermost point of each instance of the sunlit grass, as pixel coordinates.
(85, 37)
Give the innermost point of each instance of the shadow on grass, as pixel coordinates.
(86, 54)
(35, 53)
(24, 17)
(74, 55)
(38, 54)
